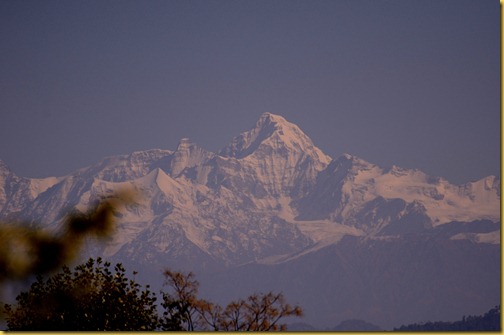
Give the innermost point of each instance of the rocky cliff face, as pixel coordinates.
(270, 197)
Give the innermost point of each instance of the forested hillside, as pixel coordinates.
(490, 321)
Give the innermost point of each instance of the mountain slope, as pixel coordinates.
(278, 155)
(272, 200)
(355, 192)
(240, 204)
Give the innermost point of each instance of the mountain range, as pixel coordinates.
(344, 238)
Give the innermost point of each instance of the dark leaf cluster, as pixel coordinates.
(96, 297)
(92, 297)
(26, 250)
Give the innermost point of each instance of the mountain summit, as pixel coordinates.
(272, 204)
(279, 155)
(271, 173)
(273, 133)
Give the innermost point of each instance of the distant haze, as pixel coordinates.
(408, 83)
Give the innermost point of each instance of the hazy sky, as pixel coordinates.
(404, 82)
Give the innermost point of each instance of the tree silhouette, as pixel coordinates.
(92, 297)
(490, 321)
(185, 311)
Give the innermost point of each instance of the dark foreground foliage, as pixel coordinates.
(93, 297)
(183, 310)
(490, 321)
(26, 250)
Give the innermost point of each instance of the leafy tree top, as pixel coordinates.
(92, 297)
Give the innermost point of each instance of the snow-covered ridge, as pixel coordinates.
(443, 201)
(270, 194)
(347, 189)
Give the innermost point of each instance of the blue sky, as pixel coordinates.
(411, 83)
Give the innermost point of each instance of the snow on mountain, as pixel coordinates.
(126, 167)
(271, 209)
(278, 155)
(443, 202)
(189, 155)
(271, 193)
(269, 180)
(354, 192)
(273, 133)
(155, 196)
(40, 185)
(16, 193)
(490, 238)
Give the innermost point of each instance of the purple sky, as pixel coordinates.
(404, 82)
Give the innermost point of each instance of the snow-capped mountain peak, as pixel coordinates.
(273, 132)
(272, 197)
(268, 177)
(278, 155)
